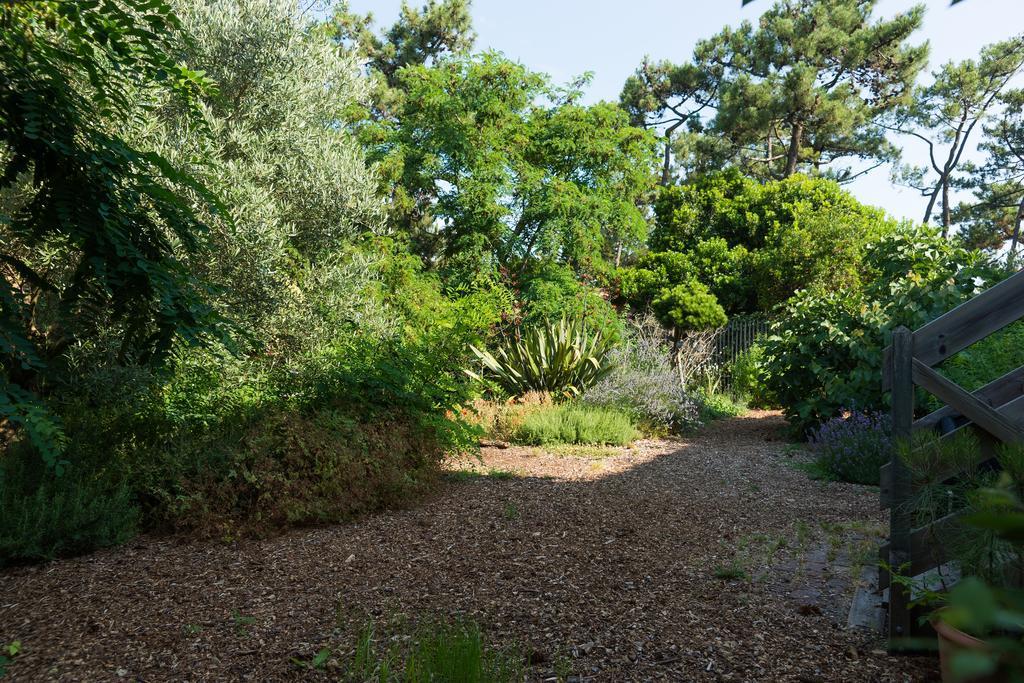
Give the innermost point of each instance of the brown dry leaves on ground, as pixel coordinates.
(705, 559)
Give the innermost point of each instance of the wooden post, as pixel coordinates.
(902, 382)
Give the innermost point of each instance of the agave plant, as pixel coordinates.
(557, 357)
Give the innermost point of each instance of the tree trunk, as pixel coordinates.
(666, 169)
(1016, 234)
(945, 206)
(796, 135)
(931, 203)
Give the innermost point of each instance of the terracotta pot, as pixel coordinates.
(953, 640)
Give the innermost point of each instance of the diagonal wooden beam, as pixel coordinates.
(966, 403)
(996, 393)
(971, 321)
(1013, 411)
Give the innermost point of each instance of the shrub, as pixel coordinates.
(715, 406)
(502, 419)
(44, 514)
(560, 358)
(779, 236)
(643, 383)
(747, 379)
(550, 291)
(577, 424)
(853, 447)
(824, 352)
(980, 363)
(688, 307)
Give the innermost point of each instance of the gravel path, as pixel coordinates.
(704, 559)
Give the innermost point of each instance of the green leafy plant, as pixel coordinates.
(437, 651)
(44, 514)
(993, 610)
(747, 378)
(852, 447)
(315, 663)
(824, 351)
(577, 424)
(8, 653)
(688, 307)
(97, 230)
(557, 357)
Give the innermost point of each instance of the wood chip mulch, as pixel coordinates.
(705, 559)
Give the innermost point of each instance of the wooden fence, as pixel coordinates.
(995, 413)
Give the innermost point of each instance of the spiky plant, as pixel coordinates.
(560, 357)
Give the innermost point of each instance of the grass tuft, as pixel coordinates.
(576, 424)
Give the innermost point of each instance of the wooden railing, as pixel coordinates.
(995, 413)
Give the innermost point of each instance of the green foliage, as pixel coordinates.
(440, 651)
(753, 245)
(853, 447)
(550, 291)
(7, 655)
(945, 113)
(998, 183)
(555, 357)
(298, 189)
(339, 396)
(989, 605)
(988, 359)
(747, 378)
(825, 351)
(644, 385)
(668, 95)
(97, 231)
(47, 515)
(515, 168)
(810, 83)
(715, 406)
(688, 307)
(575, 423)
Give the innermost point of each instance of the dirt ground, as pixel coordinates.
(710, 558)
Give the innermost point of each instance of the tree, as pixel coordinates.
(663, 94)
(296, 181)
(755, 244)
(945, 113)
(998, 182)
(688, 307)
(417, 38)
(491, 166)
(96, 231)
(810, 84)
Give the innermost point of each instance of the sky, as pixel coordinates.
(566, 38)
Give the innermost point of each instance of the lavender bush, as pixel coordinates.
(854, 446)
(644, 384)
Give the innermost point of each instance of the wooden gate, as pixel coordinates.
(995, 413)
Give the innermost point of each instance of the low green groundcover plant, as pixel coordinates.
(716, 406)
(454, 653)
(853, 447)
(44, 514)
(576, 423)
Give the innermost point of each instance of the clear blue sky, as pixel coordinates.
(565, 38)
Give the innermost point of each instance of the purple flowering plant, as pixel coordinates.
(853, 446)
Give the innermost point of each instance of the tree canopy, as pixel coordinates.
(486, 162)
(807, 86)
(74, 185)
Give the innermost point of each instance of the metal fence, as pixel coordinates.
(705, 358)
